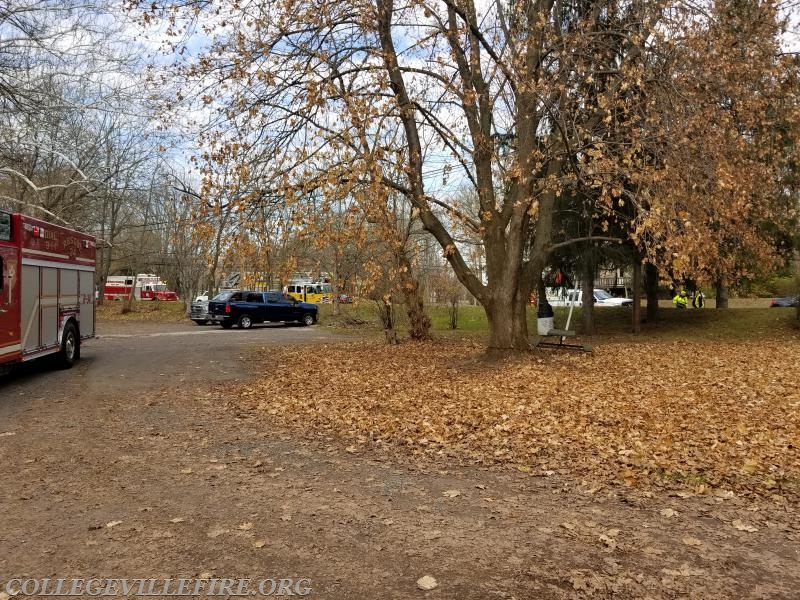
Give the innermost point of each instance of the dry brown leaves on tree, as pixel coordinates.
(697, 414)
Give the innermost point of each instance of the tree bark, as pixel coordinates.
(418, 320)
(335, 285)
(636, 326)
(722, 293)
(541, 291)
(506, 308)
(522, 302)
(587, 312)
(387, 317)
(504, 225)
(651, 291)
(453, 313)
(508, 329)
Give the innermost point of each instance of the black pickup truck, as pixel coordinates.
(244, 308)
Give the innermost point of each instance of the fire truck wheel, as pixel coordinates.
(245, 322)
(70, 346)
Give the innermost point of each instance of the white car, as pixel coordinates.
(601, 298)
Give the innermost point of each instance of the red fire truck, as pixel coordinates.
(47, 301)
(146, 286)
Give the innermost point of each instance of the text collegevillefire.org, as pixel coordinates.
(157, 587)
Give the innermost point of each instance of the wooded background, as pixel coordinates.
(429, 150)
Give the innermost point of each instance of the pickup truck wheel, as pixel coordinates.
(226, 324)
(70, 347)
(308, 319)
(245, 322)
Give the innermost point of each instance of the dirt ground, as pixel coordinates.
(128, 466)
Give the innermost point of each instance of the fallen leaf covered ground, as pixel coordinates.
(708, 416)
(142, 462)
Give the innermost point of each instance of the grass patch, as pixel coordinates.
(362, 314)
(157, 312)
(747, 320)
(733, 324)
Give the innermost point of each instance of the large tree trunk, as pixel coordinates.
(504, 223)
(651, 290)
(587, 313)
(419, 323)
(506, 304)
(541, 292)
(722, 293)
(386, 310)
(506, 310)
(508, 322)
(522, 302)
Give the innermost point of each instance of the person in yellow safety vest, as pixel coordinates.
(699, 299)
(680, 300)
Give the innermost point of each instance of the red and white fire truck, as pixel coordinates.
(47, 301)
(146, 286)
